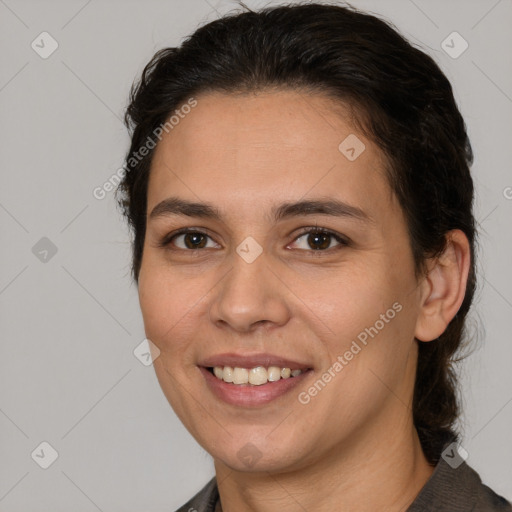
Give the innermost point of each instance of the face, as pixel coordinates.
(270, 248)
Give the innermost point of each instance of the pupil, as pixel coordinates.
(319, 238)
(194, 240)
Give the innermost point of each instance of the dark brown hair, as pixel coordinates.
(404, 103)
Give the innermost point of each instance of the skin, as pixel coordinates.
(354, 445)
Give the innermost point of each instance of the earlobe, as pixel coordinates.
(444, 287)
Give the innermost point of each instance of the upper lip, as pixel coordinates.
(252, 361)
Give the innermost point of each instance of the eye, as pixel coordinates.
(188, 239)
(318, 239)
(313, 238)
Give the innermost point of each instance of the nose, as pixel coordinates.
(250, 296)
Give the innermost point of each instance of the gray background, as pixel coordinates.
(69, 324)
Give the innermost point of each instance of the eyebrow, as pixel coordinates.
(333, 207)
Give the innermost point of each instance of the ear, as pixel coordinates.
(444, 287)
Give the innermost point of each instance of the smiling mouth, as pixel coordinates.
(256, 376)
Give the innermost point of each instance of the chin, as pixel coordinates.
(253, 454)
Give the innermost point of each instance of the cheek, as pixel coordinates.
(369, 313)
(348, 299)
(169, 307)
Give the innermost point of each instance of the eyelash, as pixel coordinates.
(342, 241)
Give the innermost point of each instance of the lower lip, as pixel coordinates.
(248, 395)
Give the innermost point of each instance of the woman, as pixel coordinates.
(299, 191)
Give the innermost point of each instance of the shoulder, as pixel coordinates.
(458, 489)
(204, 501)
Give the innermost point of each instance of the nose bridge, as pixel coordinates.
(250, 293)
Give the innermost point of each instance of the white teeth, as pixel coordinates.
(240, 376)
(226, 374)
(274, 373)
(255, 376)
(258, 376)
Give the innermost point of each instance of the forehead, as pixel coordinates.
(255, 147)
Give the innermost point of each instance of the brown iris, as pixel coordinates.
(319, 240)
(194, 240)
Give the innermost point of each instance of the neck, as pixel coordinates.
(361, 475)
